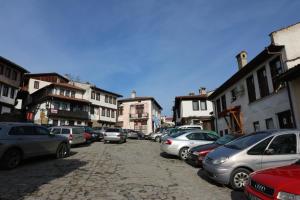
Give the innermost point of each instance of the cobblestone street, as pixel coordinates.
(134, 170)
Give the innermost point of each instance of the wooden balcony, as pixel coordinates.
(83, 115)
(139, 116)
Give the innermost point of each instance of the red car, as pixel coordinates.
(282, 183)
(196, 154)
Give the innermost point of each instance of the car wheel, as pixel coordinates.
(62, 151)
(157, 139)
(124, 140)
(11, 158)
(239, 178)
(183, 153)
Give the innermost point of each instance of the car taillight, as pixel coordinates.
(168, 142)
(70, 137)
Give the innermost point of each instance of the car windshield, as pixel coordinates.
(113, 130)
(225, 139)
(246, 141)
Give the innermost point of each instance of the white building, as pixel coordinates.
(254, 98)
(139, 113)
(103, 105)
(193, 109)
(11, 76)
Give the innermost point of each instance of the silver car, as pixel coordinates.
(114, 135)
(19, 141)
(179, 143)
(73, 133)
(156, 136)
(233, 162)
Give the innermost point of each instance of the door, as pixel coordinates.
(285, 120)
(197, 138)
(47, 143)
(281, 151)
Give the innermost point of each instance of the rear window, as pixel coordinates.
(78, 130)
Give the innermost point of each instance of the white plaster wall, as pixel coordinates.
(290, 38)
(5, 110)
(187, 109)
(31, 88)
(7, 99)
(260, 109)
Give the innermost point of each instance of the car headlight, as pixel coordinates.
(196, 153)
(219, 160)
(287, 196)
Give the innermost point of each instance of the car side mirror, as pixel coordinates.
(269, 151)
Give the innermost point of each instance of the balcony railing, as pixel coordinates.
(68, 114)
(139, 116)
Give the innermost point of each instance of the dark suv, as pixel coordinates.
(19, 141)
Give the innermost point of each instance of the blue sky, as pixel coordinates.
(160, 48)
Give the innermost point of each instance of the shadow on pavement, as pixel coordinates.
(33, 173)
(164, 155)
(235, 195)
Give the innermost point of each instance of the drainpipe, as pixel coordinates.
(291, 104)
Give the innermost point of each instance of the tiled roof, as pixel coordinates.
(141, 99)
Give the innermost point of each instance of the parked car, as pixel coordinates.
(100, 131)
(192, 126)
(90, 134)
(179, 144)
(232, 163)
(132, 134)
(276, 183)
(73, 133)
(114, 135)
(19, 141)
(156, 136)
(197, 154)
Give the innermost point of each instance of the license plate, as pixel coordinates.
(252, 197)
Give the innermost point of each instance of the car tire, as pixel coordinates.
(62, 151)
(183, 153)
(104, 141)
(157, 139)
(11, 158)
(238, 178)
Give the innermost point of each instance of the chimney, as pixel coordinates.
(202, 91)
(191, 94)
(242, 59)
(133, 94)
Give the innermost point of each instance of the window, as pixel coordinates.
(64, 106)
(22, 130)
(67, 93)
(103, 112)
(106, 99)
(36, 84)
(12, 93)
(78, 122)
(221, 133)
(196, 136)
(284, 144)
(62, 92)
(218, 106)
(270, 123)
(260, 148)
(56, 105)
(114, 101)
(112, 114)
(41, 131)
(62, 122)
(256, 126)
(223, 100)
(55, 131)
(15, 75)
(226, 131)
(65, 131)
(263, 82)
(1, 69)
(7, 72)
(233, 94)
(110, 99)
(203, 105)
(108, 113)
(195, 105)
(120, 111)
(93, 95)
(276, 69)
(92, 110)
(5, 91)
(73, 94)
(210, 137)
(251, 89)
(98, 97)
(55, 122)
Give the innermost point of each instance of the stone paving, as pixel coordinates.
(131, 171)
